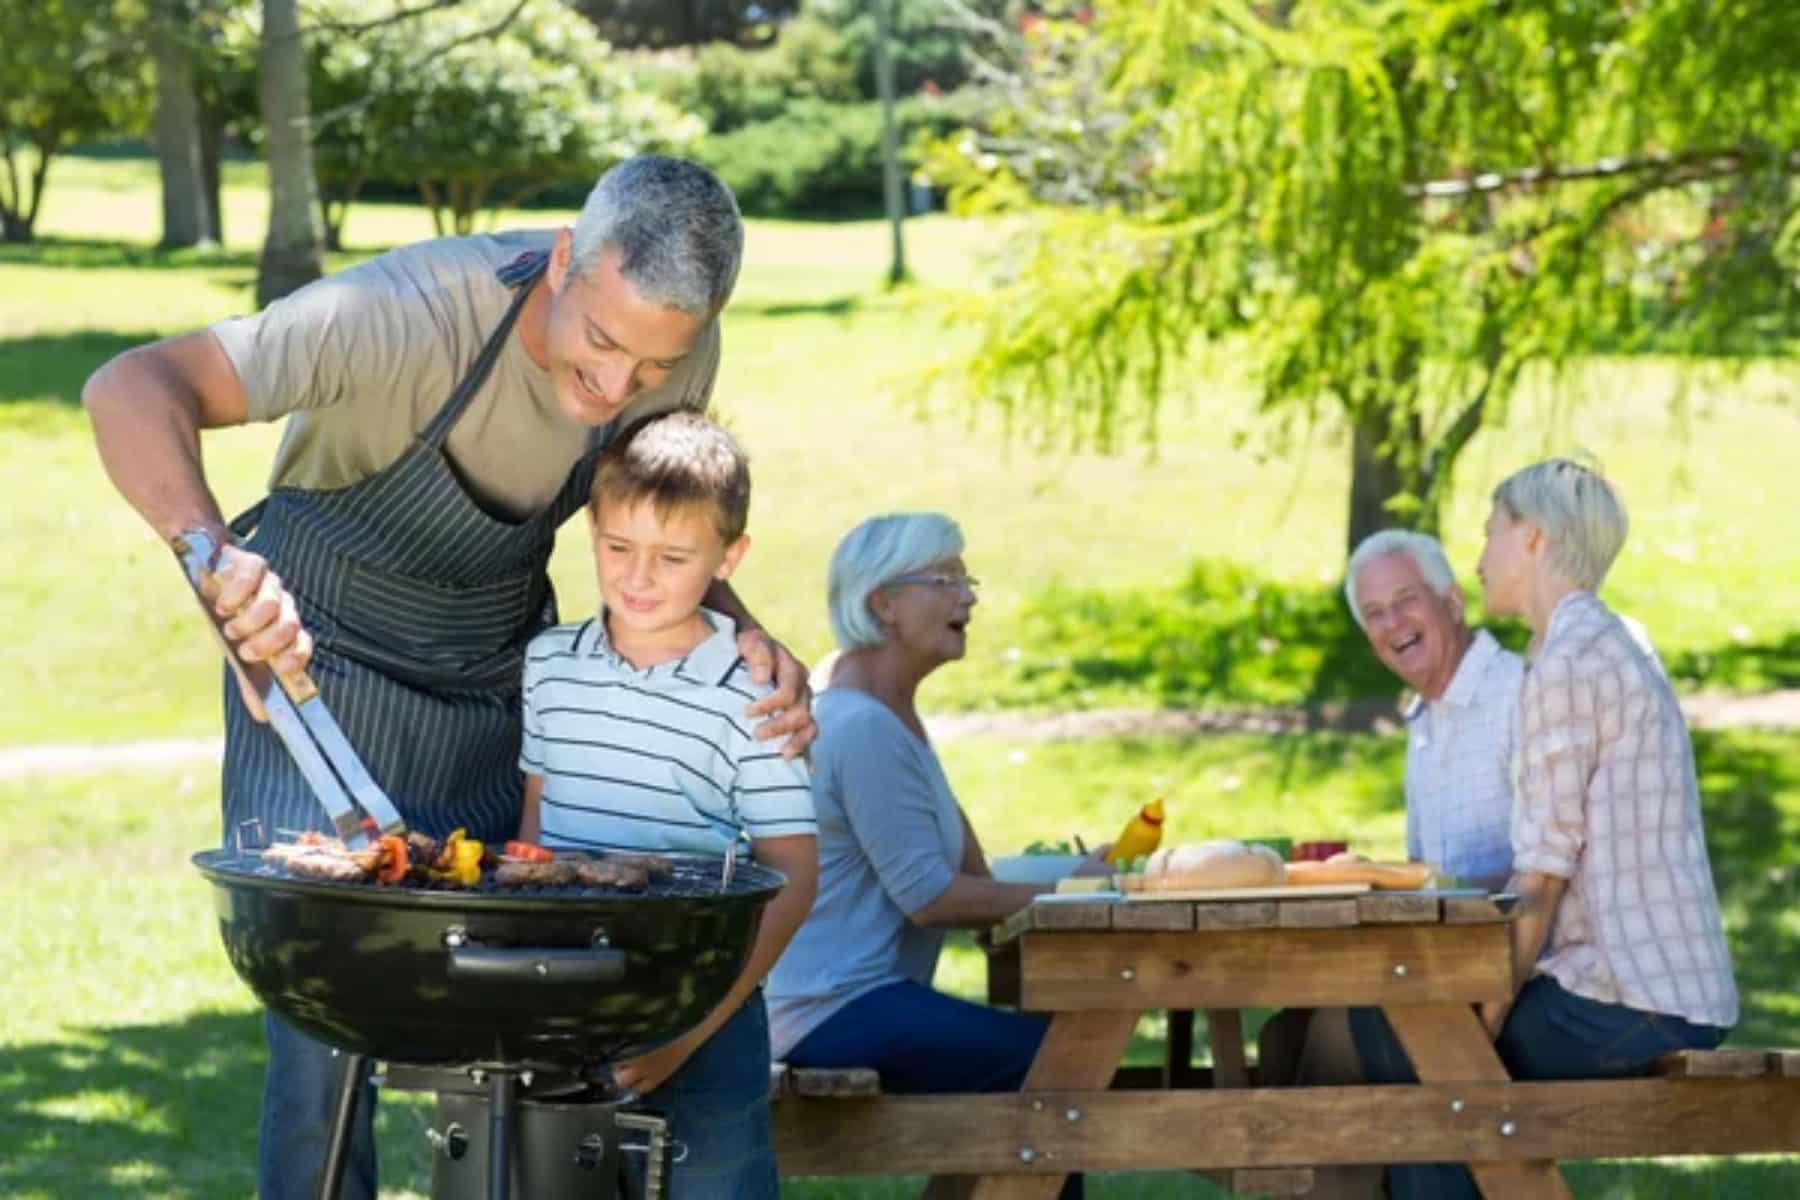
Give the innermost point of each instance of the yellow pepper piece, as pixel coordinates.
(465, 860)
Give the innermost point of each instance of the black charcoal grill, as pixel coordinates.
(501, 986)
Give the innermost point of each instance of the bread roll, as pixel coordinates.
(1216, 864)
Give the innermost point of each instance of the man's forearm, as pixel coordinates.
(720, 598)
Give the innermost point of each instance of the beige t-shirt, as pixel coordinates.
(360, 361)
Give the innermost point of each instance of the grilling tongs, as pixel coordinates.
(299, 717)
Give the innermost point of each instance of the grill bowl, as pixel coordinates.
(544, 977)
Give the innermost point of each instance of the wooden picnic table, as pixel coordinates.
(1095, 965)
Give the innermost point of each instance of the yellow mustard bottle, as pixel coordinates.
(1141, 835)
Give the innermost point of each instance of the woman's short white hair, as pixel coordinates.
(880, 549)
(1425, 551)
(676, 227)
(1580, 514)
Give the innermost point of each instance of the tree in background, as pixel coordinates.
(69, 70)
(482, 105)
(202, 54)
(293, 253)
(1385, 212)
(658, 24)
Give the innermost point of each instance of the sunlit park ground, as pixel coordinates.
(129, 1053)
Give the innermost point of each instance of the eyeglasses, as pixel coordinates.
(954, 582)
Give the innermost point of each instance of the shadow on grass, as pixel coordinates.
(54, 365)
(134, 1110)
(836, 306)
(160, 1110)
(95, 254)
(1754, 840)
(1740, 666)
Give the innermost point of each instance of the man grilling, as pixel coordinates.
(445, 405)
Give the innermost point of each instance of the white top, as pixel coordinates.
(1459, 751)
(1608, 800)
(657, 759)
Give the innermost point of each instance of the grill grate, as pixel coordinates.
(693, 877)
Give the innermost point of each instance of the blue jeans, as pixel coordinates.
(718, 1107)
(300, 1090)
(924, 1041)
(1551, 1033)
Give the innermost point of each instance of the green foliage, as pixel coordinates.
(1391, 209)
(475, 114)
(729, 86)
(821, 158)
(930, 38)
(69, 70)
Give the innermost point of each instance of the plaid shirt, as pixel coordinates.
(1459, 751)
(1605, 797)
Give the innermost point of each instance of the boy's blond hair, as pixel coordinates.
(677, 461)
(1580, 513)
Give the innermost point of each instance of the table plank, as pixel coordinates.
(1225, 1037)
(1398, 908)
(1317, 914)
(1153, 916)
(1272, 1127)
(1383, 964)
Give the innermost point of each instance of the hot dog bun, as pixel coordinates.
(1215, 864)
(1400, 876)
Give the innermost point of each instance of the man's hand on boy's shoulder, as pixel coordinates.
(790, 702)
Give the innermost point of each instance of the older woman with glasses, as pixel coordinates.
(899, 863)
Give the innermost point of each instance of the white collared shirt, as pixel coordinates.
(656, 759)
(1459, 751)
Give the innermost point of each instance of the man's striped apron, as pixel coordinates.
(421, 604)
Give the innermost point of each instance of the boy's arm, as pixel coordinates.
(769, 660)
(798, 859)
(529, 825)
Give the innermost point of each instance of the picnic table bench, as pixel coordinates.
(1096, 964)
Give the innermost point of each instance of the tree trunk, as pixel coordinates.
(890, 138)
(177, 133)
(293, 255)
(212, 137)
(1378, 474)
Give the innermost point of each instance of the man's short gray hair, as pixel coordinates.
(1425, 551)
(676, 228)
(1579, 512)
(880, 549)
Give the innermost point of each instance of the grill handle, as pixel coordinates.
(525, 964)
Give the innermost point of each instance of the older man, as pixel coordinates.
(1460, 729)
(1461, 723)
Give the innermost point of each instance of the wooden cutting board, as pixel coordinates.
(1270, 892)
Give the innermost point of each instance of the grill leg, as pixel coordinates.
(502, 1090)
(337, 1151)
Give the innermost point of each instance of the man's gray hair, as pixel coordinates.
(1425, 551)
(880, 549)
(676, 227)
(1579, 512)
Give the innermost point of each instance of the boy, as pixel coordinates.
(634, 739)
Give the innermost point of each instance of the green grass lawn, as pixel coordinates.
(130, 1054)
(817, 362)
